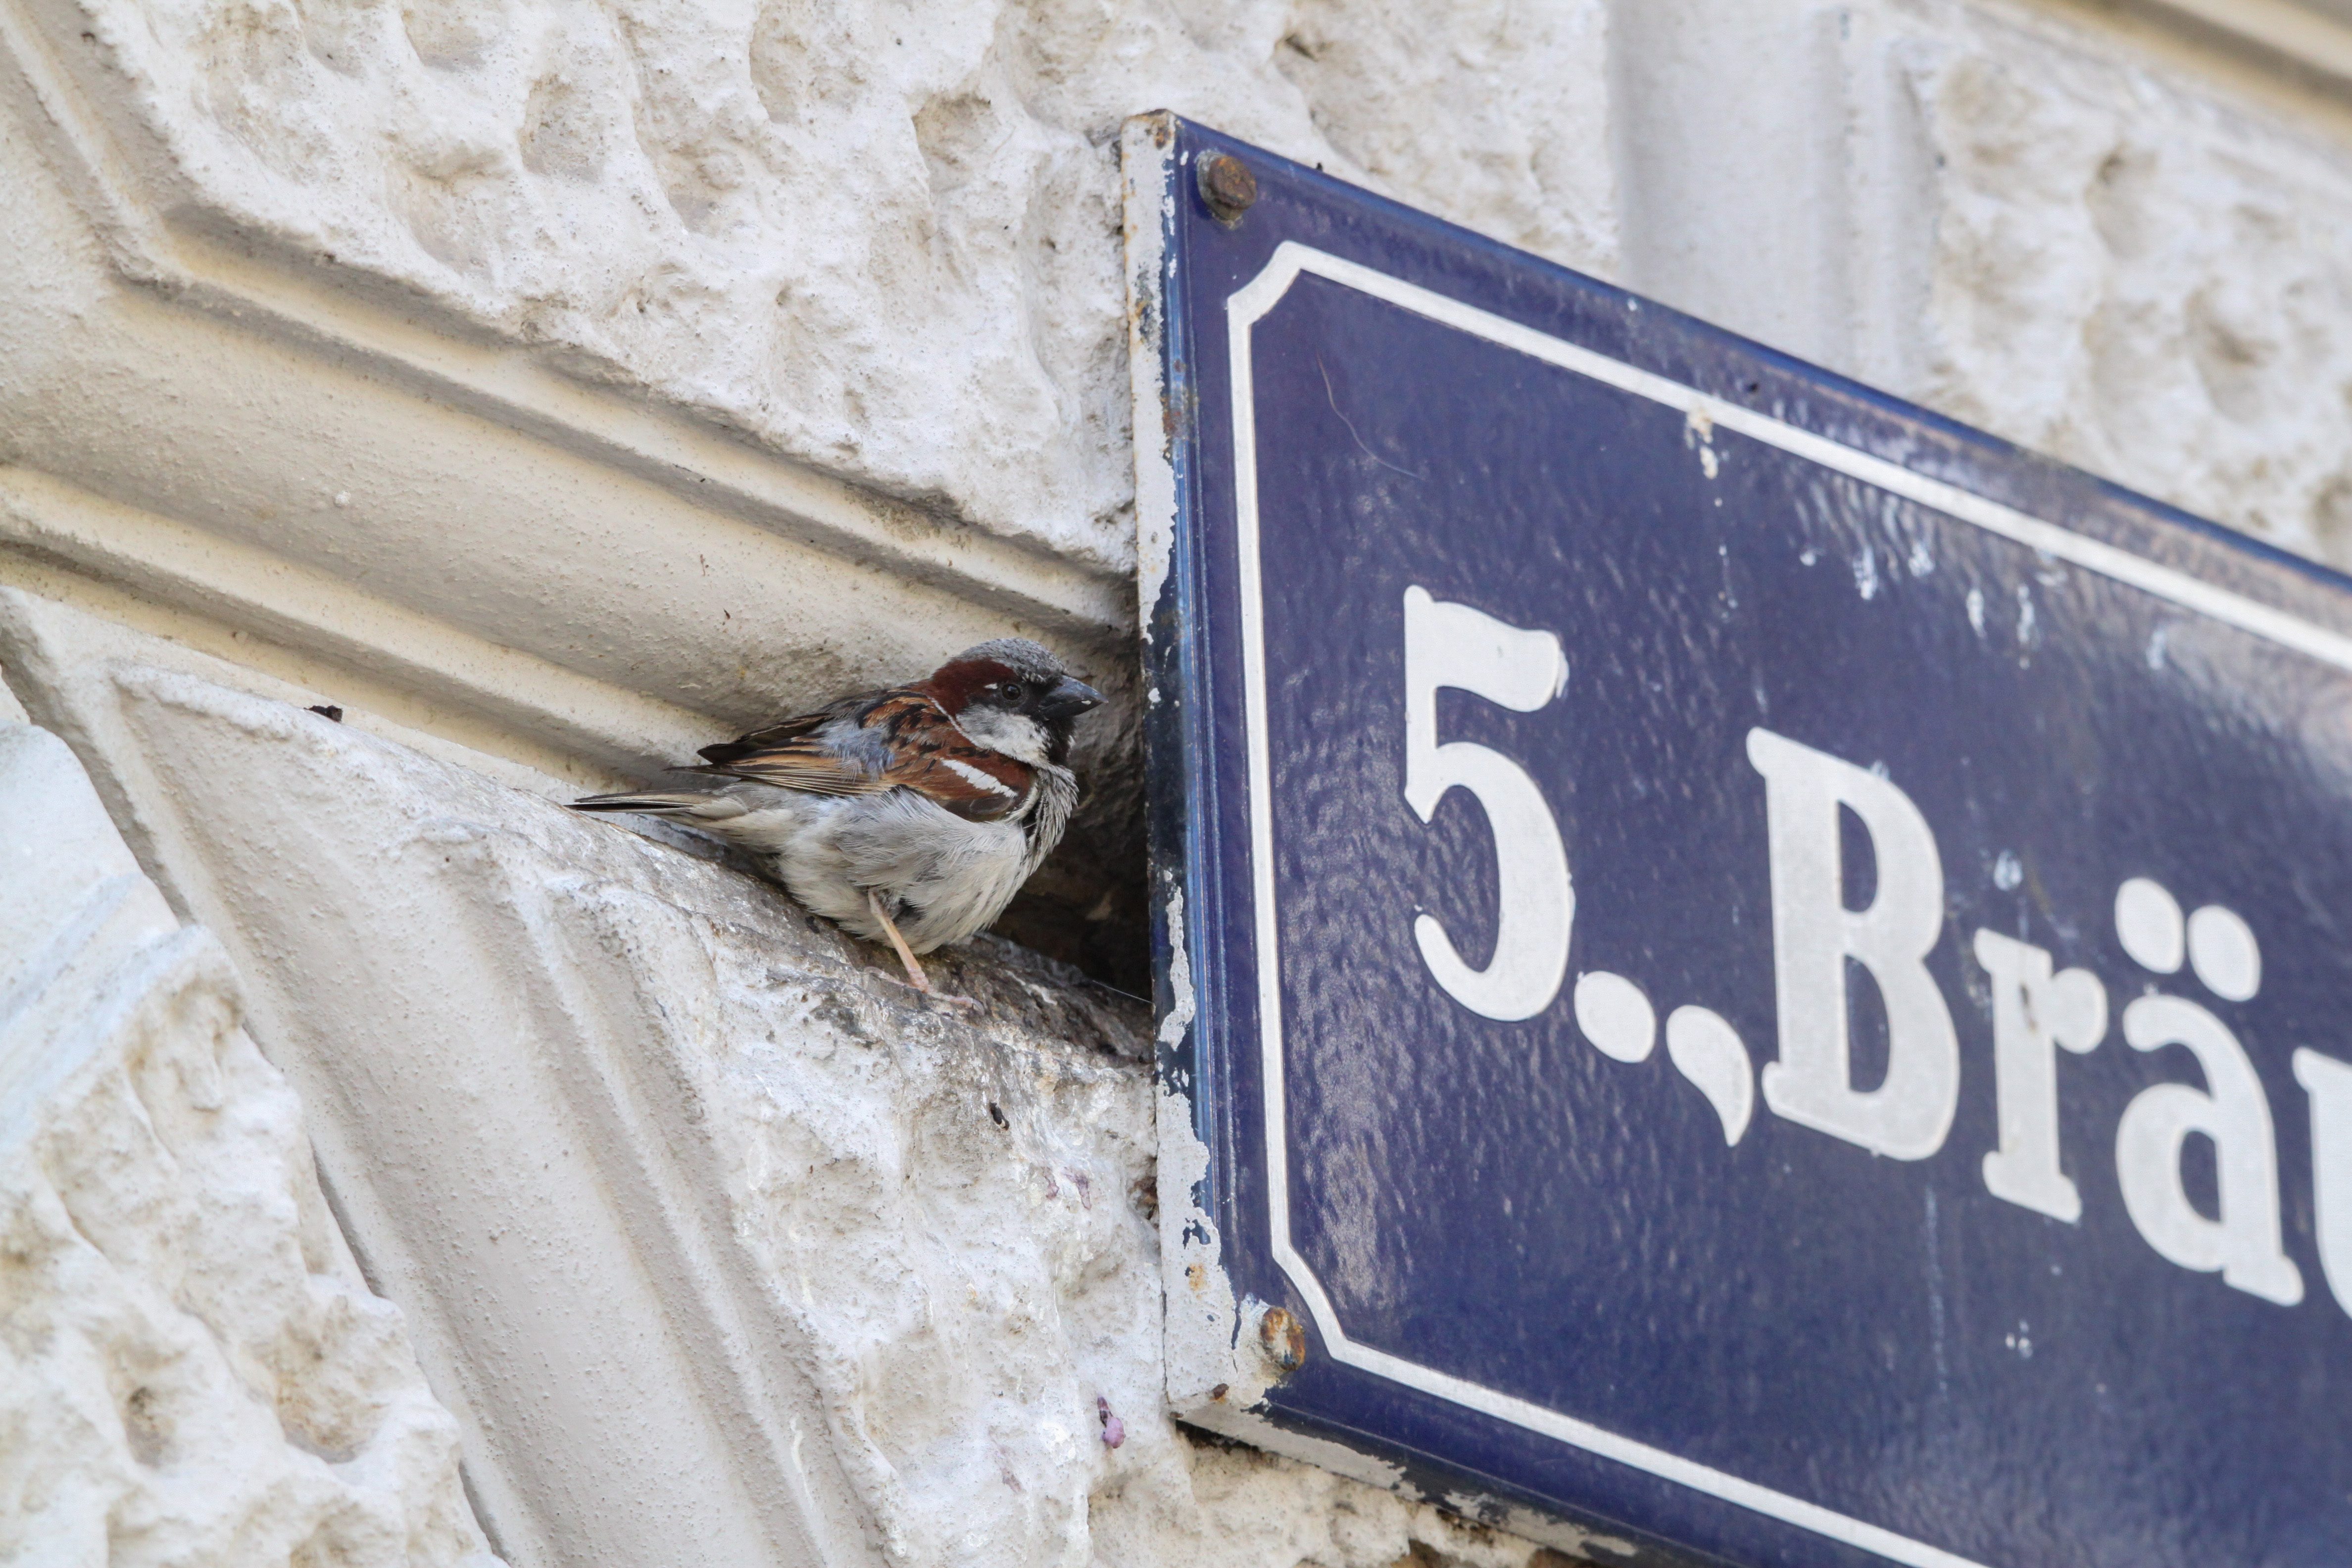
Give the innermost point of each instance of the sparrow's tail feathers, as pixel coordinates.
(705, 808)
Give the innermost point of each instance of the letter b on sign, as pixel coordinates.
(1813, 935)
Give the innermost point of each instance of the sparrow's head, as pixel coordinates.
(1013, 696)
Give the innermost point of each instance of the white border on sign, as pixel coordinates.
(1244, 310)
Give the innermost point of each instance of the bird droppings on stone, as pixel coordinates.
(1114, 1431)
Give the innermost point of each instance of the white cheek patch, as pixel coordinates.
(979, 779)
(1015, 734)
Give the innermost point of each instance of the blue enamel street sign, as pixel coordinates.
(1741, 966)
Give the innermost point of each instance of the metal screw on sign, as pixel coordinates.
(1227, 185)
(1283, 1338)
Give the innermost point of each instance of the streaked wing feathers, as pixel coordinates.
(799, 765)
(774, 735)
(901, 740)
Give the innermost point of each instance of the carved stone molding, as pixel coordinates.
(192, 1370)
(317, 470)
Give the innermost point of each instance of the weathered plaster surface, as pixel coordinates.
(2017, 220)
(192, 1370)
(2135, 278)
(882, 239)
(720, 1246)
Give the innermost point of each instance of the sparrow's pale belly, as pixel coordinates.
(941, 876)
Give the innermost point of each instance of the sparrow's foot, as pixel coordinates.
(915, 975)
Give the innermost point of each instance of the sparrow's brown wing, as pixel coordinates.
(774, 735)
(808, 766)
(902, 740)
(937, 759)
(790, 755)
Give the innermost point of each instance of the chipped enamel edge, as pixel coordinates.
(1201, 1314)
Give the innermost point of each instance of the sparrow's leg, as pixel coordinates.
(915, 975)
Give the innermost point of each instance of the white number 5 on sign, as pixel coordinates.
(1454, 644)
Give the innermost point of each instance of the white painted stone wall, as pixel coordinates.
(192, 1371)
(707, 1247)
(881, 237)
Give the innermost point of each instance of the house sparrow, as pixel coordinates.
(911, 815)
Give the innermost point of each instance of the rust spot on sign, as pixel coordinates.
(1284, 1339)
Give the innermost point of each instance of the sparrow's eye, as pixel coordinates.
(1012, 691)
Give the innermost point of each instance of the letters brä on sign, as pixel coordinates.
(1757, 971)
(1819, 943)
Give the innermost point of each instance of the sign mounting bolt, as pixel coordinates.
(1227, 185)
(1283, 1338)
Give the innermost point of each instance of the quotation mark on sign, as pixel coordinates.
(1705, 1048)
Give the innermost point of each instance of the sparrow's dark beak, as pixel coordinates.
(1069, 697)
